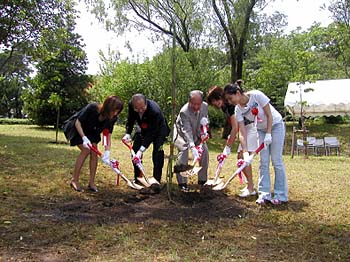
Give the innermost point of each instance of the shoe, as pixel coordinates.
(260, 201)
(93, 189)
(74, 186)
(244, 189)
(246, 193)
(276, 202)
(184, 187)
(156, 188)
(201, 182)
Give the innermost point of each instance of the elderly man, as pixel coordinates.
(187, 135)
(152, 128)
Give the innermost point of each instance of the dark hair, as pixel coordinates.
(111, 104)
(215, 93)
(231, 89)
(240, 82)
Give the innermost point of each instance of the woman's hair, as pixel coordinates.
(111, 104)
(231, 89)
(215, 93)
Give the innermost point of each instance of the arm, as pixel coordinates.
(130, 120)
(79, 128)
(243, 136)
(234, 130)
(268, 114)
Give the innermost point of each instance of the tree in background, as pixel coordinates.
(61, 63)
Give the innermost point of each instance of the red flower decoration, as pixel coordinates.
(255, 111)
(144, 125)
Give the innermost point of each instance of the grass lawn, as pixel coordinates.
(43, 219)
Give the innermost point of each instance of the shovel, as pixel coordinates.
(194, 170)
(223, 185)
(144, 180)
(216, 180)
(114, 165)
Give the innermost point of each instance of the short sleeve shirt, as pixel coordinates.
(257, 100)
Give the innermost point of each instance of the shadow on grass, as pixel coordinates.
(43, 217)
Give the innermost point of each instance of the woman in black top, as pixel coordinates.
(90, 123)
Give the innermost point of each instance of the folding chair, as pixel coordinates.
(331, 142)
(319, 145)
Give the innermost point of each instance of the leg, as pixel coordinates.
(182, 159)
(93, 169)
(264, 185)
(84, 152)
(204, 162)
(280, 187)
(158, 158)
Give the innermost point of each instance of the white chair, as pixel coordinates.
(331, 142)
(319, 144)
(310, 144)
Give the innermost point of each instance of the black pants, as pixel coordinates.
(157, 155)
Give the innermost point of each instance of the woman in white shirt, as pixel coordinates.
(255, 106)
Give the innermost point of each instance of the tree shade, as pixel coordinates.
(319, 98)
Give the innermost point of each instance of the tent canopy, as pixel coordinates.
(320, 98)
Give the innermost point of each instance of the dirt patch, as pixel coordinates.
(132, 206)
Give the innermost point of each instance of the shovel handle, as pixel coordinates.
(95, 150)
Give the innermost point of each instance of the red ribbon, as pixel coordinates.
(240, 175)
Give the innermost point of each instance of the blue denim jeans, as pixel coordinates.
(275, 151)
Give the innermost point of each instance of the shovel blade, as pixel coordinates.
(213, 182)
(191, 172)
(152, 181)
(219, 186)
(143, 181)
(133, 185)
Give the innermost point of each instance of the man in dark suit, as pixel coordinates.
(152, 128)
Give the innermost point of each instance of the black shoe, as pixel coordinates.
(156, 188)
(184, 187)
(201, 182)
(92, 189)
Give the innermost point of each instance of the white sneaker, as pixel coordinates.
(246, 193)
(244, 189)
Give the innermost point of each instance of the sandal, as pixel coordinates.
(75, 187)
(93, 189)
(276, 202)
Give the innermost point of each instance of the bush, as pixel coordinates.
(15, 121)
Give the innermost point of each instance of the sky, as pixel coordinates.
(301, 13)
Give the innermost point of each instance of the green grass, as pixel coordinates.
(42, 218)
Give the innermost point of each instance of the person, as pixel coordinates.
(152, 128)
(91, 121)
(216, 98)
(255, 106)
(188, 134)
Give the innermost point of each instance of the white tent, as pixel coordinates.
(320, 98)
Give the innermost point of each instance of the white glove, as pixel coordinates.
(248, 158)
(267, 140)
(227, 151)
(204, 137)
(86, 142)
(126, 138)
(105, 157)
(195, 153)
(140, 152)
